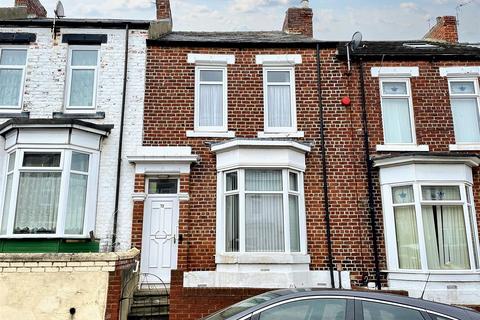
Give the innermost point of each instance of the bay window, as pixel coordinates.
(280, 100)
(465, 100)
(435, 226)
(263, 210)
(48, 193)
(82, 77)
(12, 74)
(397, 111)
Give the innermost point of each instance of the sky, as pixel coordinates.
(333, 19)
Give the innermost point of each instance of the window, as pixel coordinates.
(464, 99)
(82, 78)
(382, 311)
(211, 99)
(397, 111)
(311, 309)
(12, 73)
(263, 210)
(443, 216)
(47, 193)
(280, 100)
(163, 186)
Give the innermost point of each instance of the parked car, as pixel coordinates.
(315, 304)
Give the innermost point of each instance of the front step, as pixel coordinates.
(150, 305)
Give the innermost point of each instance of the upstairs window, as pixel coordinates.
(397, 111)
(82, 78)
(211, 99)
(464, 97)
(12, 74)
(280, 101)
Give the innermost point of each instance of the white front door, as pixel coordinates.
(160, 238)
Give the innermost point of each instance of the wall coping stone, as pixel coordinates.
(70, 257)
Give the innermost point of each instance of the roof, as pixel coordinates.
(103, 129)
(238, 38)
(78, 23)
(412, 49)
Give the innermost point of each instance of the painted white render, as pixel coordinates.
(44, 93)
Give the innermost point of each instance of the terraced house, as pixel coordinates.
(67, 88)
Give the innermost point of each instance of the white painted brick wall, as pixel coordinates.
(44, 94)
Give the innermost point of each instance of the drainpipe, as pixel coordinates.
(324, 169)
(120, 142)
(368, 162)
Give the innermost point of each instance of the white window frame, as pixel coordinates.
(65, 169)
(241, 210)
(293, 98)
(224, 127)
(475, 95)
(22, 85)
(93, 107)
(390, 228)
(410, 105)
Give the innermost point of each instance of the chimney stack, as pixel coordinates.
(299, 20)
(34, 8)
(444, 31)
(164, 22)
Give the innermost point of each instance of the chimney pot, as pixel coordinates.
(299, 20)
(444, 31)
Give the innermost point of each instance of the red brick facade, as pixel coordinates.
(34, 7)
(299, 21)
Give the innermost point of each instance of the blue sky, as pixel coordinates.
(334, 19)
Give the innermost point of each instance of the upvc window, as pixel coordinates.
(211, 99)
(397, 111)
(12, 75)
(82, 74)
(465, 102)
(434, 227)
(48, 193)
(280, 99)
(264, 211)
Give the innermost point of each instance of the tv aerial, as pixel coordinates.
(352, 46)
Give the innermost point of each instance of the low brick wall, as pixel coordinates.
(50, 286)
(195, 303)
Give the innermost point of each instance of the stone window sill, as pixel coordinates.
(262, 258)
(464, 147)
(79, 115)
(403, 147)
(14, 114)
(296, 134)
(206, 134)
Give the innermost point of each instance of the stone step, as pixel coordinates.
(148, 311)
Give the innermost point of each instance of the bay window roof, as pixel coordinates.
(101, 129)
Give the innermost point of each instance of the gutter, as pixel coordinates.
(324, 170)
(120, 142)
(369, 163)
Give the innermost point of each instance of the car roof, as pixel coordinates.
(287, 294)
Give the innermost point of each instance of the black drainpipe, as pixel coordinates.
(324, 169)
(120, 142)
(368, 161)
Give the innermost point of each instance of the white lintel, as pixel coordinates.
(460, 71)
(222, 59)
(395, 72)
(279, 59)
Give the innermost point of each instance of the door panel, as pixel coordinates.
(159, 248)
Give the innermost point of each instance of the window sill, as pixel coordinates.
(434, 275)
(79, 115)
(296, 134)
(403, 147)
(4, 114)
(262, 258)
(464, 147)
(206, 134)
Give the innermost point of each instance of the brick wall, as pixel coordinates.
(34, 8)
(299, 21)
(195, 303)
